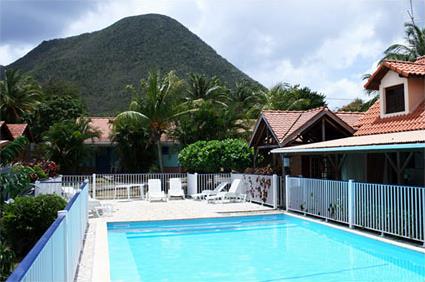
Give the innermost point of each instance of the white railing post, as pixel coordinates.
(65, 244)
(287, 192)
(350, 203)
(423, 215)
(94, 186)
(275, 186)
(196, 182)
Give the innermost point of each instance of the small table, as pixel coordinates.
(128, 186)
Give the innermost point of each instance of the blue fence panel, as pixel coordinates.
(56, 254)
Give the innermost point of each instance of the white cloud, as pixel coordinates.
(9, 53)
(325, 45)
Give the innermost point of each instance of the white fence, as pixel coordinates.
(388, 209)
(198, 182)
(261, 189)
(55, 256)
(123, 186)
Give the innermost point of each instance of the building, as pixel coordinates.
(389, 145)
(281, 129)
(104, 158)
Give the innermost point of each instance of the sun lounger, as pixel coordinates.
(154, 191)
(97, 209)
(232, 195)
(205, 193)
(175, 188)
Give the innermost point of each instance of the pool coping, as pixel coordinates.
(101, 268)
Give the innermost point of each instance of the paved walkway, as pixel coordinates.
(94, 264)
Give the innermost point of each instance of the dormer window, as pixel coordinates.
(394, 99)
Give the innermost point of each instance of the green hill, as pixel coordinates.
(101, 63)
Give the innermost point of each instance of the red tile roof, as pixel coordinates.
(17, 130)
(372, 123)
(285, 123)
(351, 118)
(403, 68)
(104, 125)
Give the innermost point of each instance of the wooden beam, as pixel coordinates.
(323, 129)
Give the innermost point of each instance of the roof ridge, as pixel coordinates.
(348, 112)
(404, 62)
(296, 111)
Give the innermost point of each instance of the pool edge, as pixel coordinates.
(101, 269)
(358, 232)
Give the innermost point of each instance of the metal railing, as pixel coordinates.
(124, 186)
(389, 209)
(56, 254)
(209, 181)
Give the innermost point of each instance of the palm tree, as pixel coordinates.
(18, 95)
(284, 96)
(65, 142)
(201, 89)
(155, 104)
(12, 150)
(415, 47)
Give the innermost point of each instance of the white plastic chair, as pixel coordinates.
(97, 209)
(209, 193)
(175, 188)
(154, 191)
(231, 195)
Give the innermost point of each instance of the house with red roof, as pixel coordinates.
(9, 132)
(105, 160)
(389, 145)
(280, 129)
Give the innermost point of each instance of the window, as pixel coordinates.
(394, 99)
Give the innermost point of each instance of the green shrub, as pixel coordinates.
(215, 156)
(27, 218)
(7, 261)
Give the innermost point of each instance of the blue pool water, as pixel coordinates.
(253, 248)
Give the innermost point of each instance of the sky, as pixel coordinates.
(326, 45)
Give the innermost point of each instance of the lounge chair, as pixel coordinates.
(154, 191)
(205, 193)
(175, 188)
(231, 195)
(97, 209)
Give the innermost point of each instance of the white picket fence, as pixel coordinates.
(56, 254)
(388, 209)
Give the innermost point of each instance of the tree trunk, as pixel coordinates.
(158, 146)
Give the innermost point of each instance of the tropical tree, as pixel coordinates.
(60, 101)
(358, 105)
(200, 89)
(245, 97)
(19, 94)
(12, 150)
(284, 96)
(155, 104)
(65, 142)
(133, 147)
(414, 47)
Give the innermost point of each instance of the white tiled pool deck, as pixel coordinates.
(94, 264)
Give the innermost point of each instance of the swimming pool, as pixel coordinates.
(253, 248)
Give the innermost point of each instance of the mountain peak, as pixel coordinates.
(103, 62)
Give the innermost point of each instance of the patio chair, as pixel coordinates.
(206, 193)
(154, 191)
(97, 209)
(175, 188)
(232, 195)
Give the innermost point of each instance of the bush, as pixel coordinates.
(215, 156)
(27, 218)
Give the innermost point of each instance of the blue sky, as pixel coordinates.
(323, 44)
